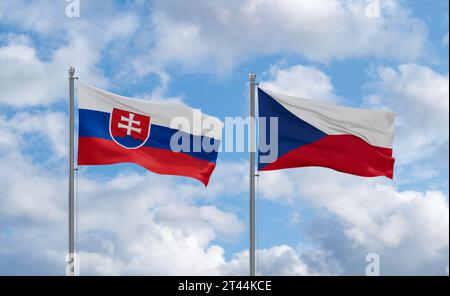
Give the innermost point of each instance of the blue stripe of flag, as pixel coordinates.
(95, 124)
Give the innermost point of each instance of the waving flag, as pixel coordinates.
(310, 133)
(115, 129)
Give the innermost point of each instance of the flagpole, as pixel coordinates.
(71, 255)
(252, 78)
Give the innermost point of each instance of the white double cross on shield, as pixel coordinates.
(130, 124)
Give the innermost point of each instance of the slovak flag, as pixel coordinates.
(164, 137)
(311, 133)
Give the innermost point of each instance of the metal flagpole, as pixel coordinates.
(71, 255)
(252, 78)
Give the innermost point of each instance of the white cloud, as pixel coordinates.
(219, 35)
(32, 15)
(285, 260)
(374, 216)
(27, 80)
(155, 248)
(19, 63)
(29, 190)
(49, 18)
(33, 74)
(301, 81)
(182, 217)
(274, 261)
(48, 125)
(420, 97)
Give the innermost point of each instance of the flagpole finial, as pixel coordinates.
(252, 76)
(71, 71)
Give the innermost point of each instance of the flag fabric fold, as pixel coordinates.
(311, 133)
(115, 129)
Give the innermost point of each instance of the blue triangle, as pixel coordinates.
(293, 132)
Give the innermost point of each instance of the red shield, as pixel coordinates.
(129, 129)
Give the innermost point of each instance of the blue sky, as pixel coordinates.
(311, 221)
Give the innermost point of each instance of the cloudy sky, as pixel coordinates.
(311, 221)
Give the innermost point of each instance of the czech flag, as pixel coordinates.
(310, 133)
(163, 137)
